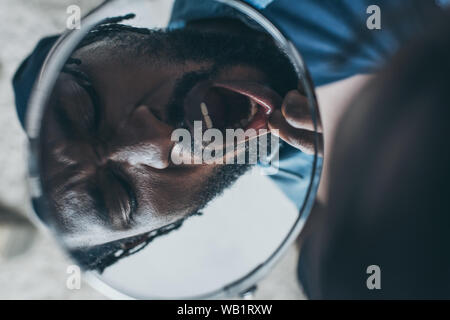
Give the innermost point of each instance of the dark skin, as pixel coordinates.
(123, 149)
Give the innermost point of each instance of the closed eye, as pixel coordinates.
(80, 102)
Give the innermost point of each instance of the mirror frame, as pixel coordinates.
(54, 62)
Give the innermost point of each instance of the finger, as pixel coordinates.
(296, 110)
(304, 140)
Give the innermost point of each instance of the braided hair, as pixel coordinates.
(98, 258)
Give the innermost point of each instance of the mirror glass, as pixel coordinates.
(155, 154)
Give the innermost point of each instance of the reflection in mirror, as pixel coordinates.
(193, 133)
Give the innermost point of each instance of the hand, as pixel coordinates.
(295, 124)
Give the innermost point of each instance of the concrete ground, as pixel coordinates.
(31, 264)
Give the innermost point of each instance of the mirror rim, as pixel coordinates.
(53, 63)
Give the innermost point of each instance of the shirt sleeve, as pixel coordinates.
(26, 75)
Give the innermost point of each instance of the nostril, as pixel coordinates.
(156, 113)
(117, 195)
(143, 140)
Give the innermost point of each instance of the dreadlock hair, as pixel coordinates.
(110, 27)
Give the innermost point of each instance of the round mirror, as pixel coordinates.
(174, 150)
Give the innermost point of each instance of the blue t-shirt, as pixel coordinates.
(324, 31)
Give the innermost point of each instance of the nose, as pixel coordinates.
(143, 140)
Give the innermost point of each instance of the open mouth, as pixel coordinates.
(230, 105)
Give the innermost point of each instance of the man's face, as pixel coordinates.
(106, 152)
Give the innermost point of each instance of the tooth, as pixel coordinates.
(208, 121)
(204, 109)
(253, 110)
